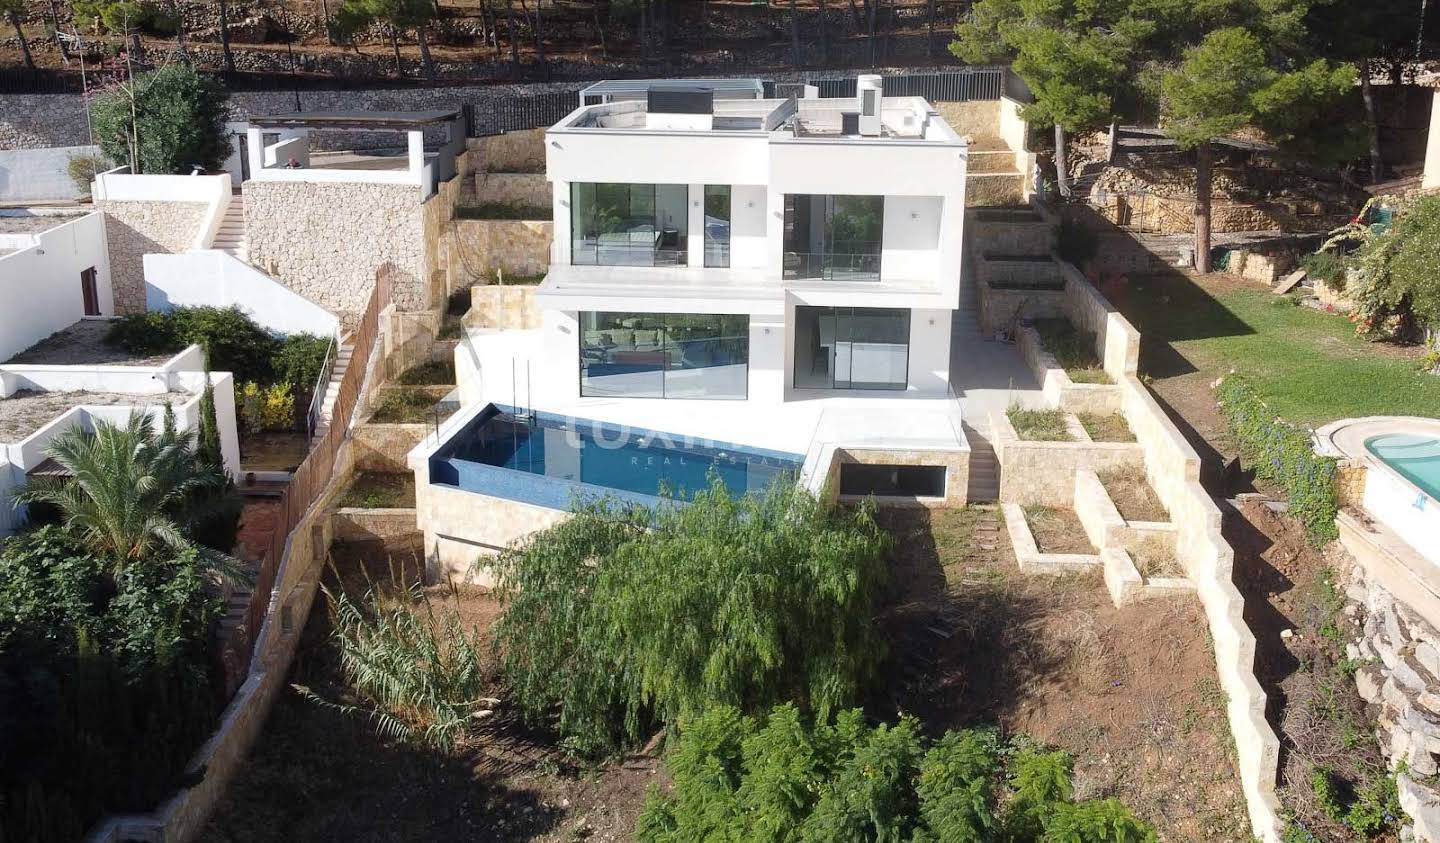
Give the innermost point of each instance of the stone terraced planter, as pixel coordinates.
(1060, 391)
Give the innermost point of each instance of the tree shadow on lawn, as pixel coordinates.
(1168, 306)
(964, 639)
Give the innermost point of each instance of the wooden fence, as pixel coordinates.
(315, 473)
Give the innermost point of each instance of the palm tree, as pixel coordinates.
(133, 493)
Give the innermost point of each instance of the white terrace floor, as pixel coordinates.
(985, 377)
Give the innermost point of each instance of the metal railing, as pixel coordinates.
(509, 114)
(314, 474)
(322, 384)
(831, 266)
(961, 84)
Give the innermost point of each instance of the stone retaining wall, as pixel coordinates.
(498, 307)
(1401, 682)
(512, 152)
(1043, 473)
(326, 241)
(353, 524)
(382, 447)
(136, 229)
(999, 308)
(481, 247)
(1059, 390)
(957, 473)
(526, 190)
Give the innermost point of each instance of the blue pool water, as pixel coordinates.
(549, 460)
(1417, 458)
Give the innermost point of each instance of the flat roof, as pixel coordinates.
(358, 119)
(633, 86)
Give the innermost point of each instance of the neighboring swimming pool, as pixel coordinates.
(1414, 457)
(1401, 458)
(549, 460)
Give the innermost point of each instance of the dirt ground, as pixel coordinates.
(321, 774)
(84, 344)
(1319, 716)
(1057, 530)
(273, 451)
(1131, 693)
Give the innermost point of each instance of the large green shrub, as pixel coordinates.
(105, 688)
(298, 360)
(232, 341)
(1282, 453)
(621, 620)
(172, 118)
(781, 778)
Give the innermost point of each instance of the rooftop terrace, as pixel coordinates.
(83, 344)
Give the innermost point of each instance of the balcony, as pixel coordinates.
(831, 266)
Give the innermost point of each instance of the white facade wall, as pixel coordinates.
(218, 279)
(40, 291)
(921, 178)
(1431, 178)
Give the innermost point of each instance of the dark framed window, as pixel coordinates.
(852, 348)
(833, 238)
(892, 481)
(629, 224)
(664, 355)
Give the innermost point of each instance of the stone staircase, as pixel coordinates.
(984, 486)
(332, 387)
(230, 238)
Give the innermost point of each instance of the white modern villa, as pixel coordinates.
(759, 285)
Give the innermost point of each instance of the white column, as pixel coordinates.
(695, 225)
(417, 153)
(255, 150)
(1431, 179)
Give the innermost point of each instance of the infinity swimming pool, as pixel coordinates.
(548, 460)
(1415, 457)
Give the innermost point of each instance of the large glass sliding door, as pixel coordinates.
(852, 348)
(717, 225)
(835, 238)
(629, 224)
(664, 355)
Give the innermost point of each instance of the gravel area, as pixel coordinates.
(83, 344)
(27, 411)
(35, 224)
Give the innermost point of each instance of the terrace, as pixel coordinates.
(289, 157)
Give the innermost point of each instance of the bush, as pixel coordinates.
(1075, 242)
(623, 619)
(1283, 454)
(782, 778)
(104, 682)
(177, 113)
(271, 408)
(232, 341)
(1326, 267)
(1039, 425)
(298, 360)
(418, 669)
(83, 169)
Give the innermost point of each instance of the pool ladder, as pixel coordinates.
(528, 414)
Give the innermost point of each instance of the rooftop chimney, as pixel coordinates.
(869, 89)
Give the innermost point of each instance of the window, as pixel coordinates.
(664, 355)
(89, 292)
(717, 225)
(902, 481)
(851, 348)
(628, 224)
(835, 238)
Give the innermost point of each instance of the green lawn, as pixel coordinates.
(1309, 365)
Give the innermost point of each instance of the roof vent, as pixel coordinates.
(869, 89)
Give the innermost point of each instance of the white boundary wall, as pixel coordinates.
(40, 175)
(40, 290)
(215, 278)
(119, 185)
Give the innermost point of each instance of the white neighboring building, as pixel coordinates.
(54, 270)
